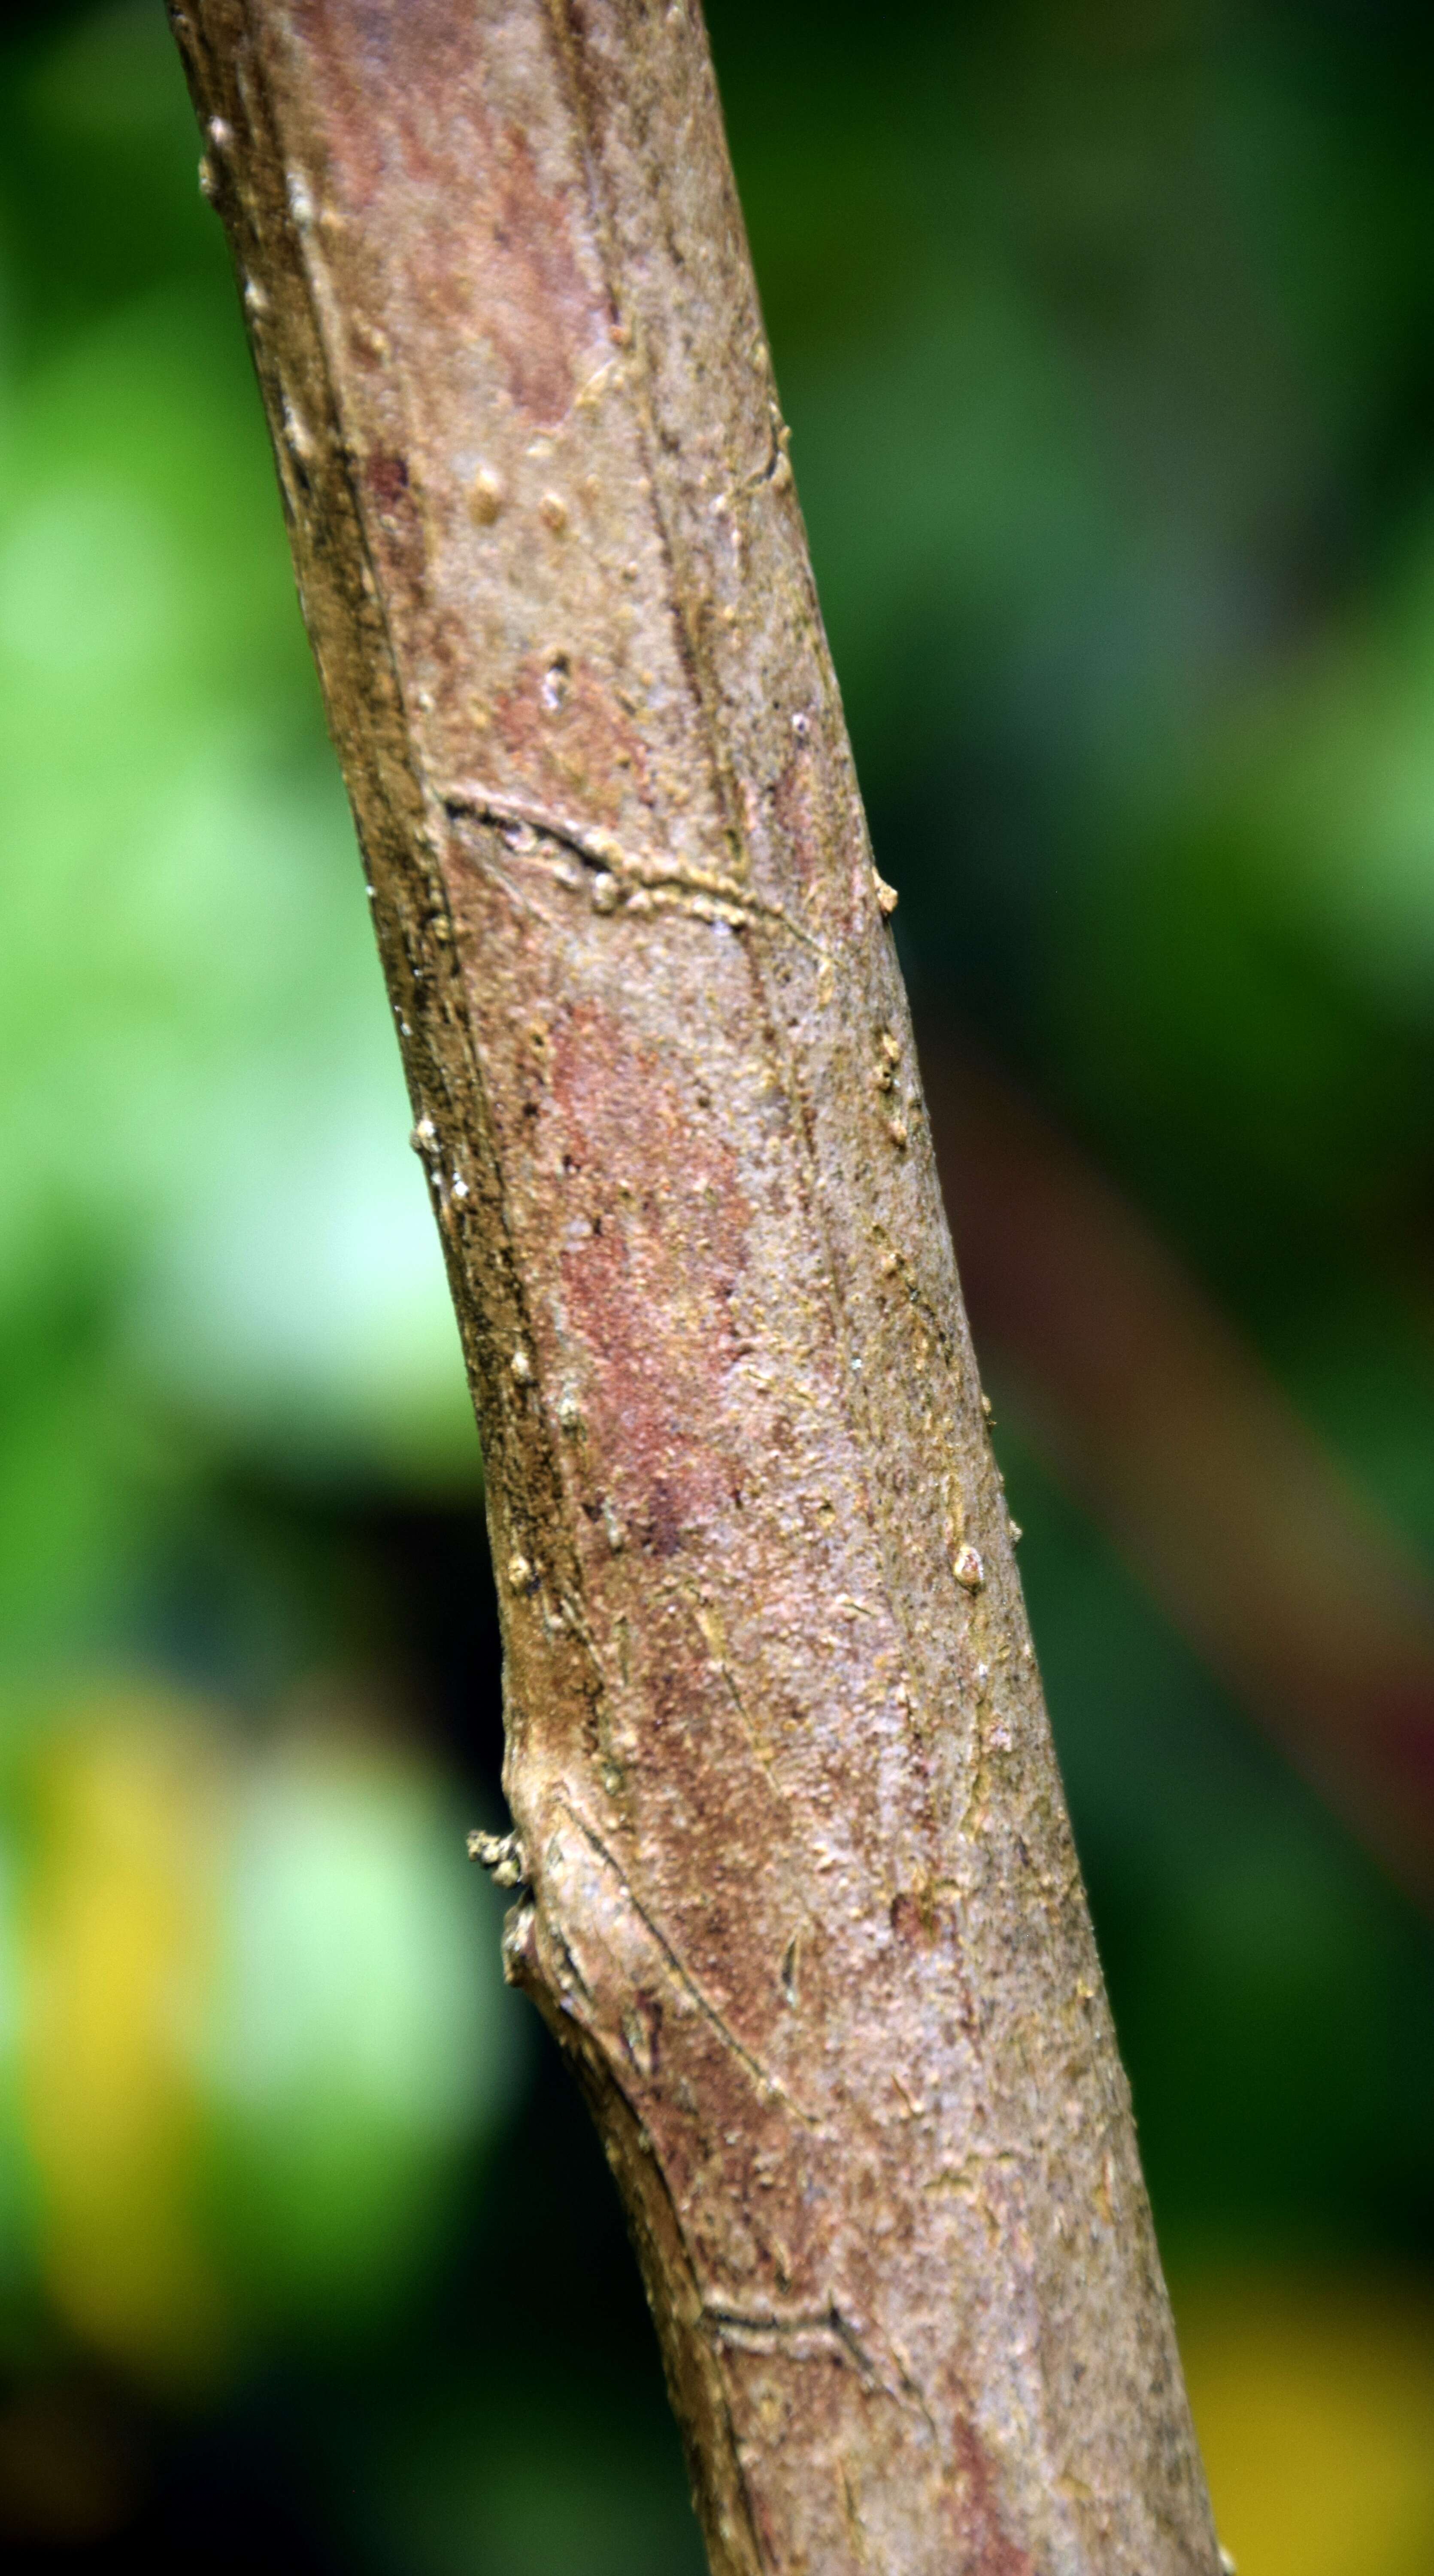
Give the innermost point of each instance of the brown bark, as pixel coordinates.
(798, 1894)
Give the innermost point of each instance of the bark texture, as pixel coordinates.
(797, 1890)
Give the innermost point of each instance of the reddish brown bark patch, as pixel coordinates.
(914, 1916)
(400, 531)
(656, 1243)
(989, 2549)
(387, 479)
(489, 249)
(570, 739)
(792, 807)
(537, 309)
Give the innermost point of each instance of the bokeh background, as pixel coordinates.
(1106, 330)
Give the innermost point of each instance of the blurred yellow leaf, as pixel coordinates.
(119, 1939)
(256, 2035)
(1314, 2400)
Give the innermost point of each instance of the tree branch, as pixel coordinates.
(797, 1888)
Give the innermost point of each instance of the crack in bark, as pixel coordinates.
(772, 2326)
(761, 1749)
(776, 2328)
(761, 2075)
(703, 893)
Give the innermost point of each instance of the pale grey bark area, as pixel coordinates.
(797, 1890)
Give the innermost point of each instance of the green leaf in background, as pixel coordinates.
(361, 2039)
(201, 1100)
(254, 2028)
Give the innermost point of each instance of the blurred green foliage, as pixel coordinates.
(254, 2048)
(1105, 331)
(207, 1245)
(251, 2031)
